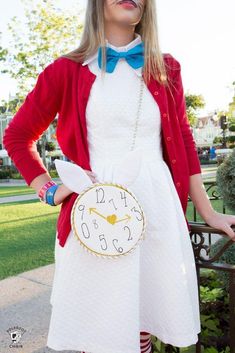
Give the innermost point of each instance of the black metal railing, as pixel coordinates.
(202, 239)
(214, 195)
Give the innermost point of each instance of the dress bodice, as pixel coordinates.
(112, 110)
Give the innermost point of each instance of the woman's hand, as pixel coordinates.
(92, 175)
(62, 192)
(204, 207)
(223, 222)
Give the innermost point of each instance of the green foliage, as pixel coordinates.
(3, 51)
(9, 107)
(228, 140)
(225, 178)
(7, 172)
(193, 103)
(4, 174)
(218, 139)
(209, 294)
(214, 315)
(208, 162)
(50, 146)
(231, 124)
(214, 311)
(48, 33)
(53, 173)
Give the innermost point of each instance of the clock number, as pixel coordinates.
(95, 223)
(111, 200)
(81, 208)
(135, 210)
(102, 235)
(85, 230)
(120, 249)
(102, 195)
(129, 238)
(123, 196)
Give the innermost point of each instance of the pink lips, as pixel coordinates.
(127, 3)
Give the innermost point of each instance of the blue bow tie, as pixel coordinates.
(133, 56)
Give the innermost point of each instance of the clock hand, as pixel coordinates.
(111, 218)
(93, 209)
(124, 219)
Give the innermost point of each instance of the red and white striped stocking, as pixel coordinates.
(145, 342)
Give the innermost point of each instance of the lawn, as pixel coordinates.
(27, 236)
(6, 191)
(217, 205)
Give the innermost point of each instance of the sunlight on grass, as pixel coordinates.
(6, 191)
(27, 236)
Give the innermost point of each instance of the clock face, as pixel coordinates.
(108, 220)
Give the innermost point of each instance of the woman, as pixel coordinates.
(111, 307)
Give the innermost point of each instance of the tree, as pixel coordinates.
(231, 124)
(9, 107)
(193, 103)
(48, 32)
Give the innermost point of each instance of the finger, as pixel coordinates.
(231, 220)
(91, 172)
(94, 179)
(228, 230)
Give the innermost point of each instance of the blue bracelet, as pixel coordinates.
(49, 197)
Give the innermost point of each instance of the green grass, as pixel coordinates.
(6, 191)
(27, 236)
(217, 205)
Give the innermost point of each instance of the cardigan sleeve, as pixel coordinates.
(190, 145)
(31, 120)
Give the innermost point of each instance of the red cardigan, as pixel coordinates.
(63, 87)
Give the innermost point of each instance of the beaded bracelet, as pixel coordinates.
(43, 190)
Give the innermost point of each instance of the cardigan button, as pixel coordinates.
(155, 93)
(178, 184)
(168, 138)
(165, 115)
(173, 161)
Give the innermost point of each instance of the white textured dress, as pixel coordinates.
(100, 305)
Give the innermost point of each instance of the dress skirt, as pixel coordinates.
(101, 305)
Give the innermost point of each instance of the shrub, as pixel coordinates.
(225, 178)
(53, 173)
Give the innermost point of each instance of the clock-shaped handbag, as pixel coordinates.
(108, 220)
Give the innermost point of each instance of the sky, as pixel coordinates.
(199, 34)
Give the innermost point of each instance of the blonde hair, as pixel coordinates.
(93, 36)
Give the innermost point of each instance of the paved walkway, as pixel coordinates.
(25, 302)
(18, 198)
(205, 175)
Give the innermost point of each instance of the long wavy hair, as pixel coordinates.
(93, 36)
